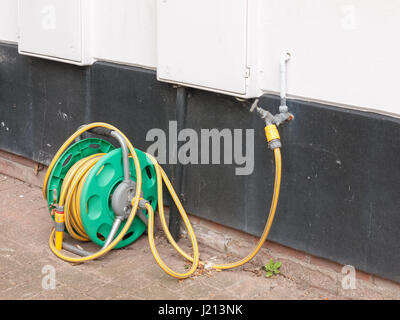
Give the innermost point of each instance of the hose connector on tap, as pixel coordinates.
(272, 135)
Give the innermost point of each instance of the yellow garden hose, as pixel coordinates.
(268, 225)
(271, 216)
(75, 179)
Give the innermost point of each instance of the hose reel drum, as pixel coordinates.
(106, 192)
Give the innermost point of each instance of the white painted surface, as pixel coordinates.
(343, 51)
(8, 20)
(203, 43)
(54, 29)
(124, 31)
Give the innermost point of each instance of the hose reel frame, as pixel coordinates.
(98, 229)
(103, 180)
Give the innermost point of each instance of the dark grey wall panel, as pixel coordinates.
(131, 99)
(16, 111)
(341, 177)
(40, 101)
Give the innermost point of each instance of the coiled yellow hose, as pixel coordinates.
(63, 194)
(71, 188)
(75, 180)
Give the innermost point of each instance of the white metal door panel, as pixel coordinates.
(51, 28)
(202, 43)
(344, 52)
(129, 35)
(8, 20)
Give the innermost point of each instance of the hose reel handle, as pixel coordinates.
(102, 131)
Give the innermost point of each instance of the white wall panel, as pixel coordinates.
(343, 51)
(55, 29)
(125, 31)
(8, 20)
(203, 43)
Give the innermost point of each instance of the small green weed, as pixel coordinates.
(272, 268)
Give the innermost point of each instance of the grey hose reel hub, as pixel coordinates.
(122, 198)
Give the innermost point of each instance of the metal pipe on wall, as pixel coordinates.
(179, 169)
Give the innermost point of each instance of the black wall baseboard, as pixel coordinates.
(341, 168)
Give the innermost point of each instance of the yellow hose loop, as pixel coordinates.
(135, 200)
(192, 236)
(268, 225)
(157, 256)
(160, 171)
(271, 216)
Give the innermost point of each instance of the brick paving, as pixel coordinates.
(132, 273)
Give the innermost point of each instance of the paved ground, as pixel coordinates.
(129, 273)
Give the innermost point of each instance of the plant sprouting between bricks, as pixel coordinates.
(272, 268)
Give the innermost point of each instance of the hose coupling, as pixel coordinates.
(272, 135)
(142, 203)
(59, 216)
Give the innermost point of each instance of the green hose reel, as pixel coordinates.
(95, 204)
